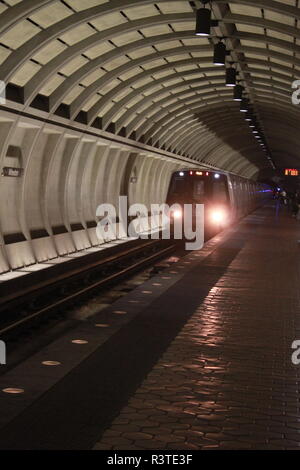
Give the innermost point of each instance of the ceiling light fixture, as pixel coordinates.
(219, 53)
(230, 76)
(204, 21)
(244, 106)
(238, 93)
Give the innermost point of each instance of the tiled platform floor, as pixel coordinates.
(227, 381)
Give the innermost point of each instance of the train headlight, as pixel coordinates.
(177, 214)
(218, 216)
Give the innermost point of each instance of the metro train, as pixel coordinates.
(226, 197)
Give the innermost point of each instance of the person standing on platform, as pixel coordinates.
(283, 197)
(297, 205)
(294, 204)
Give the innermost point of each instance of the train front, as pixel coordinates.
(191, 190)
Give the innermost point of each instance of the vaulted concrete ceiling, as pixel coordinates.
(136, 68)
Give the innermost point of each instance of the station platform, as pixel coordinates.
(198, 357)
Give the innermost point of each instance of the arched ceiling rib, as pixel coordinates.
(136, 68)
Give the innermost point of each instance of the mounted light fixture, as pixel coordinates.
(204, 21)
(219, 53)
(244, 106)
(238, 93)
(230, 76)
(248, 117)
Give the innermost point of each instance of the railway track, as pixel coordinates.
(37, 303)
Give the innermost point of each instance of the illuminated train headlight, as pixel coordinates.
(177, 214)
(218, 216)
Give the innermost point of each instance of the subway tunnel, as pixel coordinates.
(102, 99)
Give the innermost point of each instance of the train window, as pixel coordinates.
(178, 186)
(199, 190)
(220, 193)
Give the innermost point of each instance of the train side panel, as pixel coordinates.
(246, 195)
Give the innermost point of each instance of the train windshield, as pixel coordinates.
(178, 186)
(199, 190)
(220, 191)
